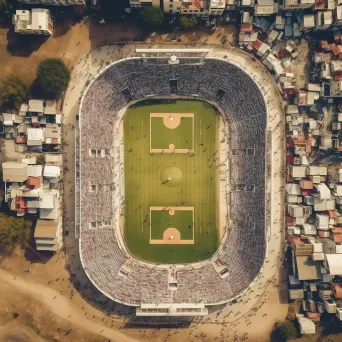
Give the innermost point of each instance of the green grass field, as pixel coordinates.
(162, 136)
(161, 220)
(193, 186)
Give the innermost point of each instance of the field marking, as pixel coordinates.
(193, 133)
(169, 150)
(172, 242)
(172, 211)
(165, 116)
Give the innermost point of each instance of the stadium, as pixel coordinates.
(170, 187)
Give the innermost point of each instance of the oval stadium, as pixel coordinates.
(170, 195)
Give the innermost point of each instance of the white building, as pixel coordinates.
(306, 325)
(53, 2)
(38, 21)
(216, 7)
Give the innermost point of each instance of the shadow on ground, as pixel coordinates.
(23, 45)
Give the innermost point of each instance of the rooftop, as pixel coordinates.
(46, 229)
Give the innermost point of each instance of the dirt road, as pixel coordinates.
(61, 307)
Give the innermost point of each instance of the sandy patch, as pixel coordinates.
(172, 121)
(171, 234)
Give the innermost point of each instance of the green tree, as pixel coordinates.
(287, 331)
(13, 231)
(187, 23)
(3, 6)
(4, 10)
(53, 77)
(13, 91)
(151, 17)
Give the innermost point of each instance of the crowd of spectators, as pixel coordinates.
(102, 248)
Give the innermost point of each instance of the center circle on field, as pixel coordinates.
(171, 176)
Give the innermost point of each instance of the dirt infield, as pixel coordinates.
(171, 121)
(171, 236)
(171, 209)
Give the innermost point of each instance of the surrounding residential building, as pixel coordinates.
(36, 127)
(35, 189)
(172, 6)
(135, 4)
(216, 7)
(336, 88)
(48, 235)
(186, 7)
(295, 5)
(38, 21)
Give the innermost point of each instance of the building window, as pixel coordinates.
(171, 5)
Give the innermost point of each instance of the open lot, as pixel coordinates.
(167, 179)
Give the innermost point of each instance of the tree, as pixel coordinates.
(3, 6)
(151, 17)
(287, 331)
(13, 231)
(13, 91)
(4, 10)
(187, 23)
(53, 77)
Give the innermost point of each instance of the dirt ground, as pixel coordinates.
(17, 52)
